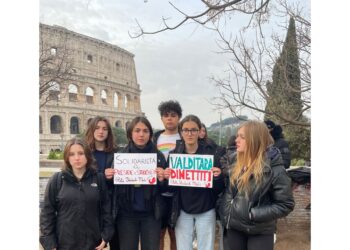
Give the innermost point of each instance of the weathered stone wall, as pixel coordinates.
(99, 66)
(300, 217)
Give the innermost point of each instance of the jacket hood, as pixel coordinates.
(68, 174)
(277, 132)
(274, 156)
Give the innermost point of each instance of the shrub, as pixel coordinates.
(298, 162)
(55, 155)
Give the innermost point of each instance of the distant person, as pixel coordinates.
(100, 138)
(203, 135)
(195, 206)
(78, 214)
(280, 143)
(259, 191)
(170, 114)
(231, 144)
(203, 138)
(227, 159)
(138, 208)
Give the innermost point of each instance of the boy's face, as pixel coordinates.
(170, 120)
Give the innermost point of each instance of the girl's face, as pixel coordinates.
(240, 141)
(77, 158)
(202, 133)
(190, 132)
(101, 131)
(140, 135)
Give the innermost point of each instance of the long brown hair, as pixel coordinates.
(251, 161)
(89, 134)
(87, 151)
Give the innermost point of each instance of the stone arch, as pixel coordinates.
(127, 102)
(56, 124)
(127, 125)
(118, 124)
(40, 125)
(54, 91)
(73, 92)
(104, 96)
(74, 125)
(116, 100)
(89, 95)
(136, 104)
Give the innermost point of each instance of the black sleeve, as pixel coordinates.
(282, 202)
(161, 161)
(106, 210)
(48, 216)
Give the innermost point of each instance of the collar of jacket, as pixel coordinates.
(131, 148)
(156, 136)
(68, 174)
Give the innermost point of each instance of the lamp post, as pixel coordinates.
(220, 131)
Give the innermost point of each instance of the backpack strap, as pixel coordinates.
(57, 184)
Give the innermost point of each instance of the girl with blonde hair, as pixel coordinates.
(259, 191)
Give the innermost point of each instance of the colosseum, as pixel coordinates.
(81, 77)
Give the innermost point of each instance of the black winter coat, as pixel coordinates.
(271, 200)
(123, 195)
(283, 146)
(80, 218)
(211, 193)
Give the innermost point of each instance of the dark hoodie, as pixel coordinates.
(138, 200)
(80, 218)
(281, 144)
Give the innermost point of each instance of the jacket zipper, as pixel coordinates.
(229, 214)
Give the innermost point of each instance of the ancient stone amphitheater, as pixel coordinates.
(101, 80)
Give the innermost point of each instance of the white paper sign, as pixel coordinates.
(191, 170)
(135, 169)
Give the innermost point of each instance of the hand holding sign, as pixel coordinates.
(191, 170)
(135, 169)
(109, 173)
(167, 173)
(216, 171)
(160, 173)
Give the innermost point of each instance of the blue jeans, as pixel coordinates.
(205, 228)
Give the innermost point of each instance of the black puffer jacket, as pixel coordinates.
(282, 145)
(123, 195)
(271, 200)
(80, 218)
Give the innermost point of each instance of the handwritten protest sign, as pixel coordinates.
(191, 170)
(135, 169)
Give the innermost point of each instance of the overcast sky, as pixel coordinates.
(171, 65)
(19, 52)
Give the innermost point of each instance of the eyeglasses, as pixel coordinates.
(188, 131)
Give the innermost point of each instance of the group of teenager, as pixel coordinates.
(83, 208)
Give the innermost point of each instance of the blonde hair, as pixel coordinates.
(251, 161)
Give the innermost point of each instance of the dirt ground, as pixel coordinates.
(286, 240)
(293, 240)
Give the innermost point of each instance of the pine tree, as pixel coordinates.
(285, 96)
